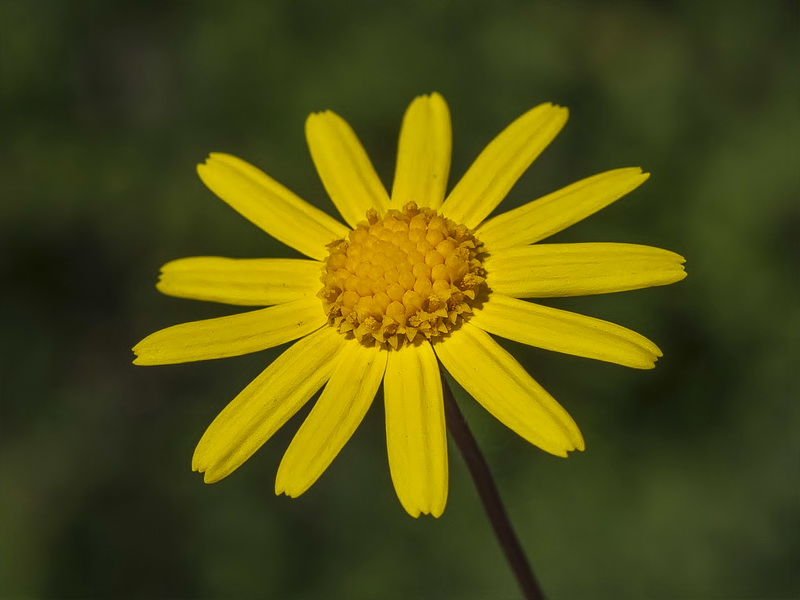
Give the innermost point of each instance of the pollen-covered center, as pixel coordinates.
(411, 273)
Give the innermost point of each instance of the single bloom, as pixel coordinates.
(416, 279)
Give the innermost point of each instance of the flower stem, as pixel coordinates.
(490, 497)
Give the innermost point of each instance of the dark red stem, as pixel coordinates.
(490, 497)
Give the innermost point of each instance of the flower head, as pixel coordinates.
(412, 274)
(418, 279)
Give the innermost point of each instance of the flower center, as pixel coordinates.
(412, 273)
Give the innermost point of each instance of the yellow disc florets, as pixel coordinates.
(411, 273)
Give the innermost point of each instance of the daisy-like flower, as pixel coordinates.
(416, 278)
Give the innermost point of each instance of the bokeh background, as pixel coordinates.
(689, 484)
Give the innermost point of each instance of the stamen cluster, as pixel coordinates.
(411, 273)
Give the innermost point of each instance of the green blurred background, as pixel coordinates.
(689, 484)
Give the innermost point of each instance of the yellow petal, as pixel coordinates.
(416, 436)
(499, 383)
(423, 155)
(270, 206)
(344, 167)
(501, 163)
(242, 281)
(545, 270)
(266, 404)
(334, 418)
(233, 335)
(564, 331)
(557, 211)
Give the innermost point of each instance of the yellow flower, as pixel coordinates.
(417, 279)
